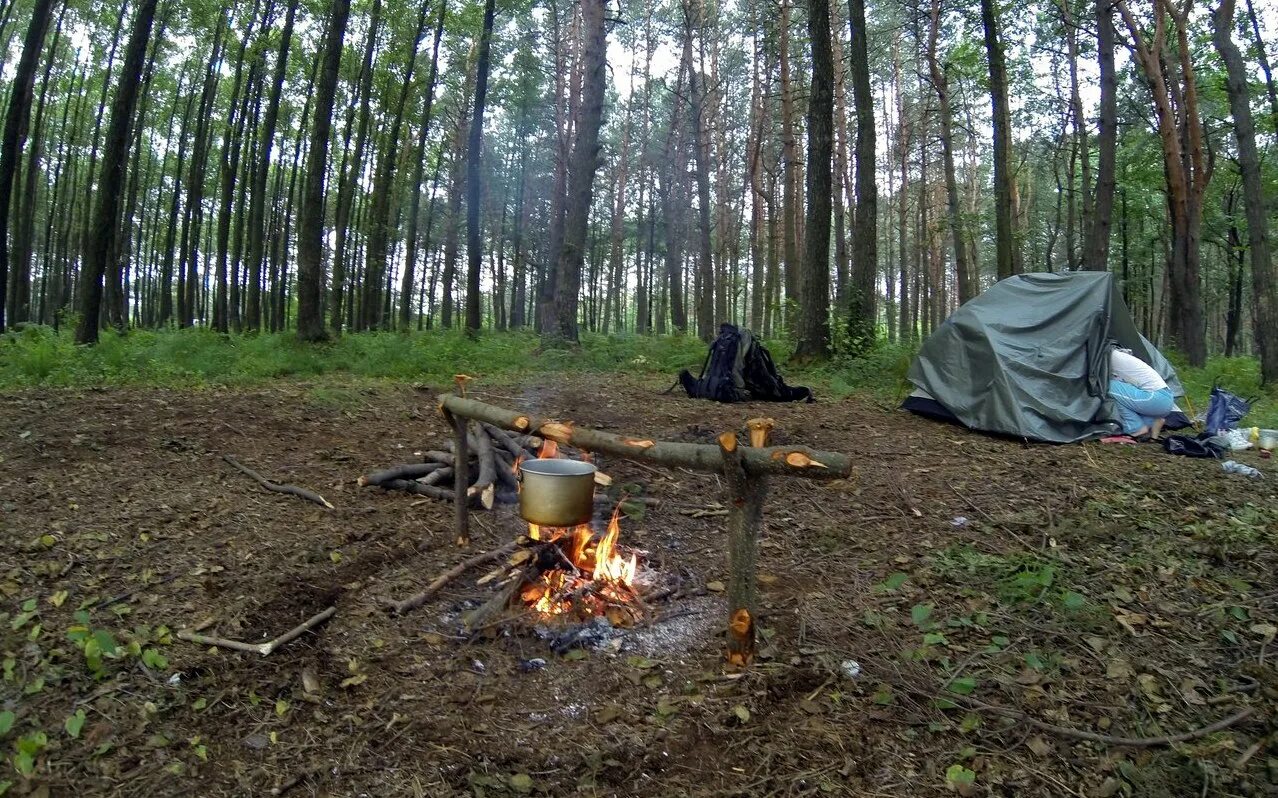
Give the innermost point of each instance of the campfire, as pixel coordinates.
(573, 576)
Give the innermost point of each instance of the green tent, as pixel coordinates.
(1029, 358)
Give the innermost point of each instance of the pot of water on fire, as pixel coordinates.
(556, 492)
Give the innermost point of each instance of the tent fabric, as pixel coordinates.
(1029, 358)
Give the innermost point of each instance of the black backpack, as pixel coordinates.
(739, 369)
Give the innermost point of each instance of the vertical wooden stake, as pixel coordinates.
(746, 494)
(461, 477)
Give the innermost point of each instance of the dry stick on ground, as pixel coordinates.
(414, 601)
(1129, 742)
(420, 489)
(504, 440)
(292, 490)
(487, 465)
(266, 648)
(407, 471)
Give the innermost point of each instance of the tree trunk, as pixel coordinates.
(581, 173)
(457, 176)
(1096, 254)
(415, 185)
(193, 214)
(965, 271)
(863, 311)
(105, 226)
(257, 195)
(15, 129)
(310, 227)
(380, 226)
(814, 291)
(701, 158)
(1185, 168)
(474, 160)
(1007, 256)
(1264, 279)
(1263, 59)
(348, 182)
(789, 184)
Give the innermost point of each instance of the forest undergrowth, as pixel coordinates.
(195, 358)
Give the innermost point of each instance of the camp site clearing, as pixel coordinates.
(1116, 592)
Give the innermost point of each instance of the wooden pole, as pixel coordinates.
(746, 494)
(786, 460)
(461, 476)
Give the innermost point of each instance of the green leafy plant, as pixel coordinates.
(27, 748)
(97, 645)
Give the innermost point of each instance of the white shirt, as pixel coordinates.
(1134, 371)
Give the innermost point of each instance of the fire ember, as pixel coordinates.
(572, 575)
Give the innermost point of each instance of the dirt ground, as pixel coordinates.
(1116, 591)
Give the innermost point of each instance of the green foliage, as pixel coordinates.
(1241, 375)
(879, 370)
(200, 357)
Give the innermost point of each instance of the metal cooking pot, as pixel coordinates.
(557, 492)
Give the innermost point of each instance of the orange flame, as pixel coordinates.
(549, 449)
(559, 591)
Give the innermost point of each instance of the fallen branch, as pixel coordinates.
(483, 446)
(266, 648)
(1107, 739)
(276, 487)
(505, 440)
(416, 600)
(407, 471)
(413, 486)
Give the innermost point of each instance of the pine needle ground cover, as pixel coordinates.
(929, 626)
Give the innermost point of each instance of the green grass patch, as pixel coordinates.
(38, 356)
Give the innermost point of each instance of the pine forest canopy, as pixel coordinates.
(837, 173)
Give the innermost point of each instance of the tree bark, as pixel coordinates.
(105, 228)
(380, 227)
(814, 291)
(257, 194)
(1264, 279)
(1096, 254)
(415, 185)
(789, 183)
(474, 162)
(701, 158)
(193, 214)
(581, 173)
(965, 271)
(863, 310)
(310, 228)
(1007, 256)
(1185, 168)
(16, 117)
(348, 182)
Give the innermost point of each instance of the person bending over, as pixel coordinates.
(1143, 398)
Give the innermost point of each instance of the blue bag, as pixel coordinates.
(1225, 410)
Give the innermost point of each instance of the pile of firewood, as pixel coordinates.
(492, 457)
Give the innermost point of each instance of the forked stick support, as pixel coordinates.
(746, 469)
